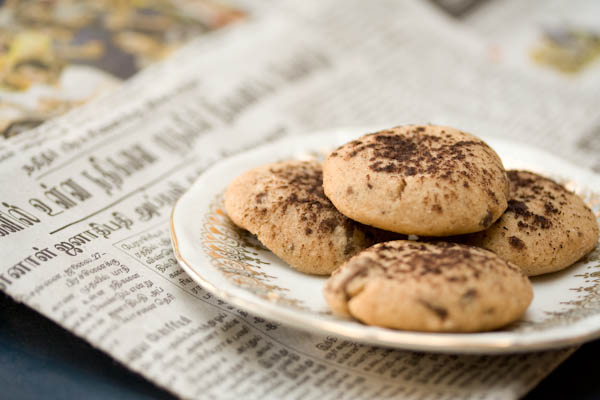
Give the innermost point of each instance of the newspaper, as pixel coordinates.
(555, 41)
(84, 216)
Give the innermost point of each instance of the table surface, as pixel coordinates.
(37, 358)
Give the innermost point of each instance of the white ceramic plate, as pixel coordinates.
(233, 265)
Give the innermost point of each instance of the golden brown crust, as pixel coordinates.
(285, 206)
(422, 180)
(438, 287)
(545, 228)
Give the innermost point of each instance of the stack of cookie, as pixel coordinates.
(429, 181)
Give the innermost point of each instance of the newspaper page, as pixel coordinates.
(555, 41)
(84, 213)
(448, 79)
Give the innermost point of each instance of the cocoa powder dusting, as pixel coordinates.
(550, 209)
(420, 151)
(446, 259)
(440, 311)
(487, 219)
(309, 198)
(516, 243)
(528, 191)
(303, 184)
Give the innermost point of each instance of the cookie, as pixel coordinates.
(545, 228)
(435, 287)
(284, 205)
(421, 180)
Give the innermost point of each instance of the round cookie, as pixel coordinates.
(545, 228)
(421, 180)
(283, 204)
(435, 287)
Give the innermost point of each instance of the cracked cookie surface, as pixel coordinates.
(435, 287)
(284, 205)
(422, 180)
(545, 228)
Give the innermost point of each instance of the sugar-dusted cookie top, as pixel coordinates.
(284, 205)
(545, 228)
(422, 180)
(437, 287)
